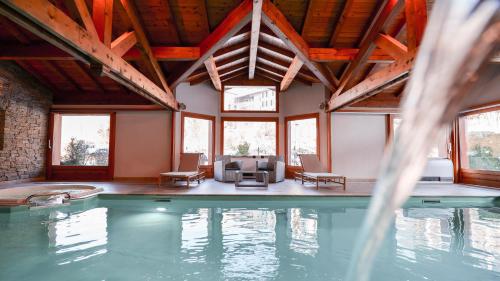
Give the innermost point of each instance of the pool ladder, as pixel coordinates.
(67, 197)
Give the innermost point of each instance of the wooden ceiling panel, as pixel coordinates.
(356, 22)
(218, 9)
(294, 11)
(52, 75)
(158, 22)
(192, 21)
(320, 21)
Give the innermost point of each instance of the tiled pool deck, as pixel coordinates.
(288, 188)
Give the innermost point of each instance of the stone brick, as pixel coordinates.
(25, 124)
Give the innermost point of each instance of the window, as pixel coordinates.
(439, 148)
(302, 137)
(249, 136)
(198, 135)
(250, 98)
(81, 140)
(480, 141)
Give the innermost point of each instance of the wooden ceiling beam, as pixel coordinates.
(235, 21)
(164, 53)
(212, 71)
(416, 19)
(292, 71)
(277, 22)
(53, 25)
(388, 76)
(346, 55)
(193, 80)
(45, 51)
(145, 49)
(102, 16)
(391, 46)
(254, 36)
(124, 43)
(387, 11)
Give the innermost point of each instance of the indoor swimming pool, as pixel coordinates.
(250, 238)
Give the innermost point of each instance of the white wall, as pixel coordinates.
(358, 142)
(202, 99)
(302, 99)
(299, 99)
(142, 147)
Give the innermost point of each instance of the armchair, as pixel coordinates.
(275, 166)
(225, 168)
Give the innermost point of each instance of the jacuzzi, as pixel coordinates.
(17, 195)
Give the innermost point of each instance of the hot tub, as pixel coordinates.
(18, 195)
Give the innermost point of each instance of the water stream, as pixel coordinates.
(460, 37)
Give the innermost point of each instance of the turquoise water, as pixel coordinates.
(152, 238)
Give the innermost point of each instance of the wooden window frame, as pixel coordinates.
(249, 119)
(222, 110)
(302, 117)
(466, 175)
(82, 173)
(212, 118)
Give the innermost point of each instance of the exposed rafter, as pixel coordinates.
(346, 55)
(124, 43)
(53, 25)
(390, 75)
(292, 71)
(416, 19)
(212, 71)
(83, 11)
(278, 23)
(387, 11)
(391, 45)
(234, 21)
(102, 16)
(144, 43)
(254, 36)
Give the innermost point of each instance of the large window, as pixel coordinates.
(302, 137)
(250, 136)
(480, 141)
(81, 140)
(250, 98)
(198, 135)
(439, 148)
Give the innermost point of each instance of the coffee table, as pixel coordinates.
(264, 175)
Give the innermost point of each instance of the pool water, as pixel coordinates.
(187, 238)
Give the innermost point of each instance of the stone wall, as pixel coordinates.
(25, 104)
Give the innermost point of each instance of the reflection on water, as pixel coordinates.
(111, 243)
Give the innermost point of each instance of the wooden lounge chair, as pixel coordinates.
(314, 171)
(188, 171)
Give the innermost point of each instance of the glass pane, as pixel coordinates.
(302, 139)
(197, 137)
(438, 150)
(480, 141)
(81, 140)
(250, 98)
(249, 138)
